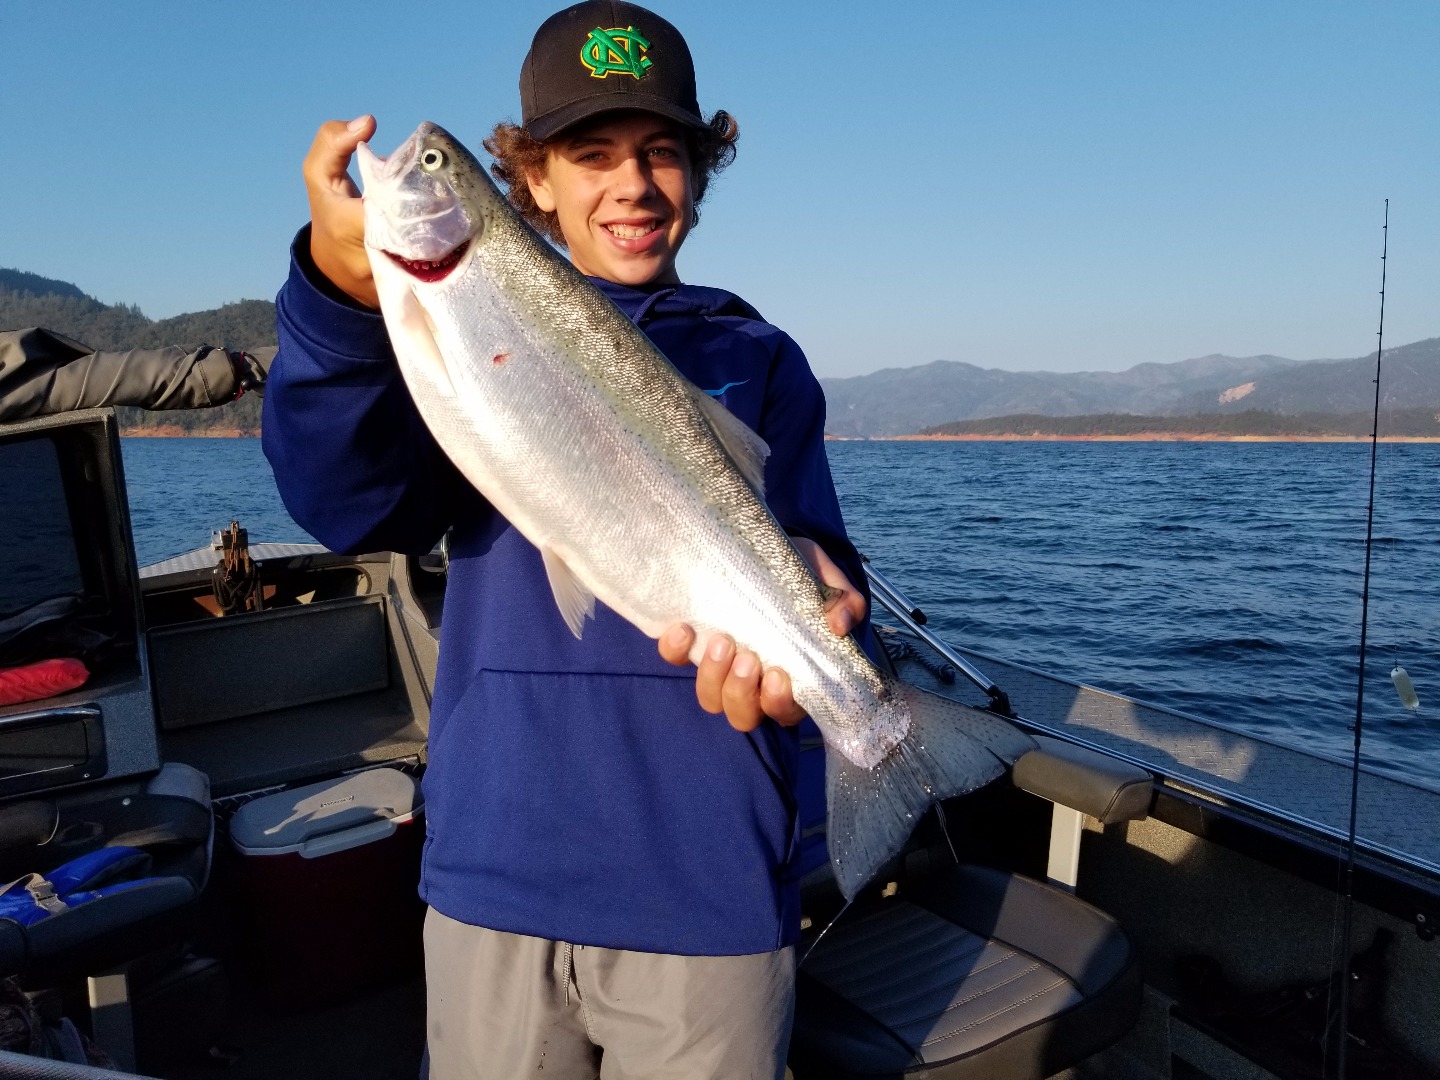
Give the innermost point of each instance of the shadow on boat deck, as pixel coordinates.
(379, 1036)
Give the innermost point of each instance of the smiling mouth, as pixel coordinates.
(631, 232)
(426, 270)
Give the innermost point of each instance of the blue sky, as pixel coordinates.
(1058, 186)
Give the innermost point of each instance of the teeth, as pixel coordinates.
(632, 232)
(426, 264)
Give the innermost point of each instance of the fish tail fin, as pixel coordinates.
(950, 749)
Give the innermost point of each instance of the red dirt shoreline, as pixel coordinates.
(173, 432)
(1158, 436)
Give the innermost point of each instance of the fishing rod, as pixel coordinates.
(1345, 945)
(884, 584)
(913, 619)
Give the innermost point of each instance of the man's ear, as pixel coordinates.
(539, 184)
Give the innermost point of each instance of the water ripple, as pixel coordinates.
(1219, 579)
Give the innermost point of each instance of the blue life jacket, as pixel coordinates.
(110, 870)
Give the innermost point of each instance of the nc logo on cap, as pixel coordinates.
(619, 50)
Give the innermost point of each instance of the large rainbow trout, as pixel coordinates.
(638, 488)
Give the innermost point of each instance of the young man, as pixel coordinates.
(612, 873)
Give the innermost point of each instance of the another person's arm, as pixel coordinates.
(43, 373)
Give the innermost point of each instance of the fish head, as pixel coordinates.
(427, 204)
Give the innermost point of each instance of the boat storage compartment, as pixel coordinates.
(243, 665)
(326, 884)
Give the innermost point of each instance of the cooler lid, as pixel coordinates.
(287, 820)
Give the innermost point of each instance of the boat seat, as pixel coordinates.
(1080, 783)
(975, 973)
(171, 821)
(961, 971)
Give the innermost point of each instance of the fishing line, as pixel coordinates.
(1345, 976)
(1388, 560)
(823, 932)
(944, 829)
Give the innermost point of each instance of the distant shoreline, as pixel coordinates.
(1158, 436)
(173, 431)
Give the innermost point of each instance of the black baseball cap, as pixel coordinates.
(603, 55)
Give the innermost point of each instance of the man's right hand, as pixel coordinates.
(337, 224)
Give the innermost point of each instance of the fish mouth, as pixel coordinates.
(429, 270)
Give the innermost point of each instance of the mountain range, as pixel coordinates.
(899, 401)
(896, 401)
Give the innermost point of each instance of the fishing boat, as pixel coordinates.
(1149, 894)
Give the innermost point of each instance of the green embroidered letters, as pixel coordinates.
(619, 50)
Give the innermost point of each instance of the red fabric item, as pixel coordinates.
(42, 679)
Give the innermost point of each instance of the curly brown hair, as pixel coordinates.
(516, 152)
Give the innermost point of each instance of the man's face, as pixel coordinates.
(622, 189)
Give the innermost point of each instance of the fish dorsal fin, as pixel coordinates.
(420, 346)
(575, 601)
(748, 450)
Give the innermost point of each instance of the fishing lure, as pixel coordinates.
(1405, 688)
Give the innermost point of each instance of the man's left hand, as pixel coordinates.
(734, 683)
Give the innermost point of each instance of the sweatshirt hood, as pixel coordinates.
(644, 304)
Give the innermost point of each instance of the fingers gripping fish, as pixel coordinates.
(638, 488)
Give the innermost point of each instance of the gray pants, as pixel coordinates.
(505, 1005)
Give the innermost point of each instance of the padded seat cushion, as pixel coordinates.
(977, 973)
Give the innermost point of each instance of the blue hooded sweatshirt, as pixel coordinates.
(575, 790)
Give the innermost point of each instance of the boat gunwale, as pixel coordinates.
(1216, 795)
(1269, 740)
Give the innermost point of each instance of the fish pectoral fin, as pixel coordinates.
(417, 339)
(746, 448)
(575, 601)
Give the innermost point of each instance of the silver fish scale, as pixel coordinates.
(585, 437)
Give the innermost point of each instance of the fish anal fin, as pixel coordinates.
(575, 601)
(417, 338)
(745, 448)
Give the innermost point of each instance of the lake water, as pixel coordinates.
(1219, 579)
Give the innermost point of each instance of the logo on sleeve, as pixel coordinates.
(619, 51)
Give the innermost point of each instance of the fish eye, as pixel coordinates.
(432, 159)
